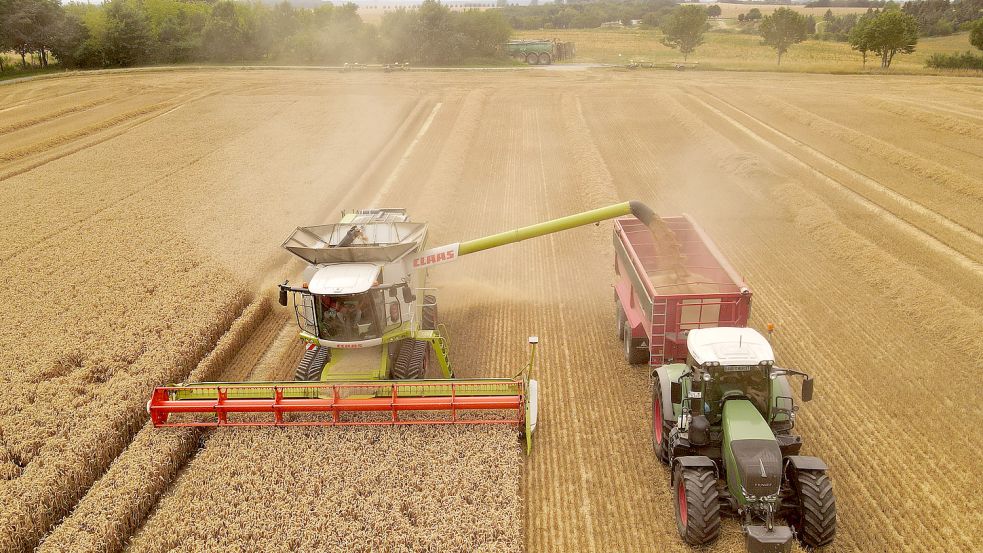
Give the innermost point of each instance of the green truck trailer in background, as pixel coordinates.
(541, 51)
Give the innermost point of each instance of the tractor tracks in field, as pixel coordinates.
(947, 238)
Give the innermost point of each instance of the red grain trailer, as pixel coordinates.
(656, 310)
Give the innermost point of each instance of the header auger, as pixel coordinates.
(372, 333)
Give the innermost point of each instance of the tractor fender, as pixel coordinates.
(667, 374)
(805, 462)
(694, 461)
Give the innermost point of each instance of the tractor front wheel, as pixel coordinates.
(814, 518)
(697, 505)
(660, 430)
(411, 361)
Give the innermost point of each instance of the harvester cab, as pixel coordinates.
(728, 413)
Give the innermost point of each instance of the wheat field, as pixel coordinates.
(143, 215)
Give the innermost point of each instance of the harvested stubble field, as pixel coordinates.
(143, 214)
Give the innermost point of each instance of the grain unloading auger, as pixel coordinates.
(371, 329)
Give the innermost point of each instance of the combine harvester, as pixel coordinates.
(370, 324)
(723, 412)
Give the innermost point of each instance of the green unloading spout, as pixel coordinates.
(450, 252)
(638, 209)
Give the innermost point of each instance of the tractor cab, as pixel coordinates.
(730, 363)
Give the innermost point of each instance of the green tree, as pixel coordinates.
(714, 10)
(860, 38)
(892, 32)
(684, 28)
(753, 14)
(127, 40)
(782, 29)
(976, 34)
(222, 37)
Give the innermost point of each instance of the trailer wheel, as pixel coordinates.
(429, 313)
(697, 505)
(411, 361)
(532, 58)
(635, 354)
(545, 59)
(814, 517)
(660, 430)
(622, 320)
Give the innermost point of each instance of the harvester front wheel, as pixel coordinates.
(411, 361)
(660, 430)
(814, 519)
(429, 313)
(635, 353)
(697, 505)
(312, 364)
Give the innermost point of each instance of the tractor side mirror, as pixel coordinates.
(676, 392)
(283, 297)
(408, 296)
(807, 388)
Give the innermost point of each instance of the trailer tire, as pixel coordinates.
(532, 58)
(814, 516)
(622, 320)
(697, 504)
(411, 361)
(429, 313)
(635, 354)
(545, 59)
(660, 430)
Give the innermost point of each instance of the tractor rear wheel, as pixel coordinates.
(532, 58)
(697, 505)
(814, 518)
(411, 361)
(429, 313)
(635, 353)
(660, 430)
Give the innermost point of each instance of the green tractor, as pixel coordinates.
(722, 421)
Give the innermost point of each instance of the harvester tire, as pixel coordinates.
(697, 504)
(312, 364)
(635, 354)
(545, 59)
(532, 58)
(660, 430)
(429, 313)
(411, 361)
(814, 518)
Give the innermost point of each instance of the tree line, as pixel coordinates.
(122, 33)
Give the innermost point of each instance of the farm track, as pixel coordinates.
(872, 289)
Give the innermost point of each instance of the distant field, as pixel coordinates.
(731, 11)
(739, 51)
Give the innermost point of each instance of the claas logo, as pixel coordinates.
(431, 259)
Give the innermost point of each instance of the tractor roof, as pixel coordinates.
(728, 346)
